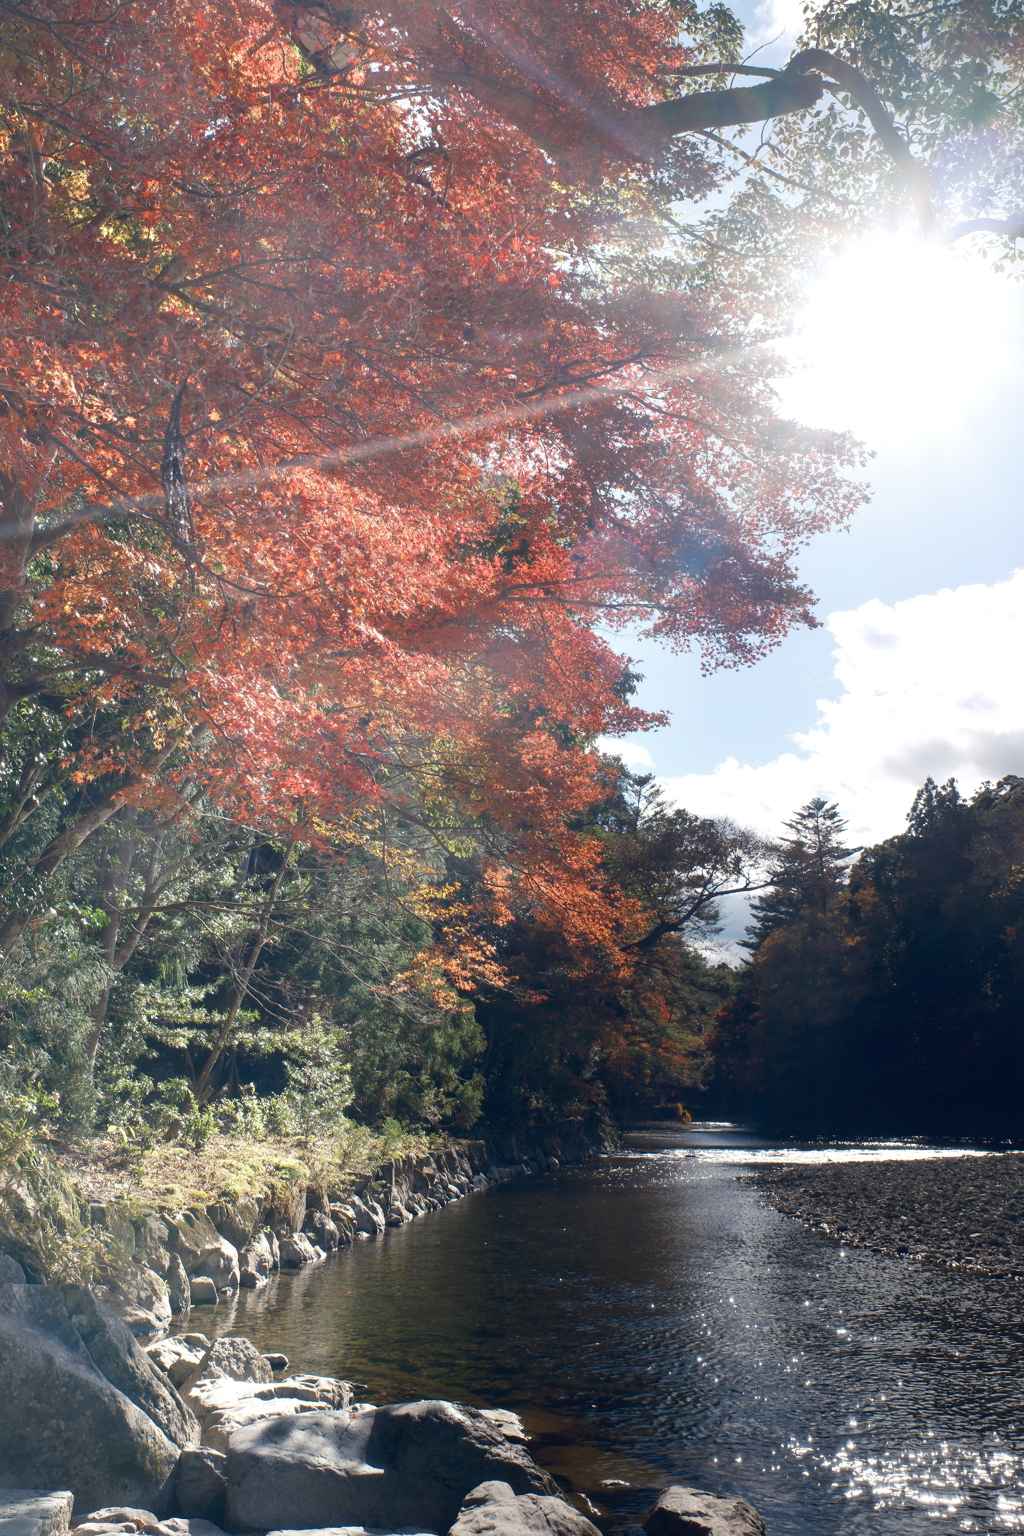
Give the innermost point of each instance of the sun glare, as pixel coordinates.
(903, 342)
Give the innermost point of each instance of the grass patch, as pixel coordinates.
(233, 1164)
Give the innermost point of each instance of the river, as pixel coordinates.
(654, 1322)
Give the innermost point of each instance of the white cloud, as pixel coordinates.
(632, 753)
(779, 21)
(932, 685)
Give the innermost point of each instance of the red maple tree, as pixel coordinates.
(338, 425)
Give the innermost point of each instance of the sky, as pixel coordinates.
(917, 668)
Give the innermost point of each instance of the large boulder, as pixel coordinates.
(138, 1296)
(202, 1250)
(192, 1235)
(126, 1365)
(493, 1509)
(237, 1220)
(321, 1230)
(258, 1260)
(219, 1265)
(81, 1407)
(11, 1272)
(296, 1250)
(153, 1237)
(692, 1512)
(367, 1216)
(409, 1465)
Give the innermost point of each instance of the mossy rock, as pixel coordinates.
(43, 1223)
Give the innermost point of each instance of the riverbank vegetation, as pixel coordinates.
(359, 382)
(885, 991)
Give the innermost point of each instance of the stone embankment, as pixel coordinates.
(966, 1212)
(158, 1263)
(192, 1438)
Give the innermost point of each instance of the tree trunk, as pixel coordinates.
(201, 1086)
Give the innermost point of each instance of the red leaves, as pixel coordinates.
(427, 463)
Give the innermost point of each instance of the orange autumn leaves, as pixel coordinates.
(426, 455)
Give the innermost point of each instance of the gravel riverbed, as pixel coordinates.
(964, 1212)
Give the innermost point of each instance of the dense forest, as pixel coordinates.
(885, 989)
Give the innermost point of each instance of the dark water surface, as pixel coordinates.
(653, 1321)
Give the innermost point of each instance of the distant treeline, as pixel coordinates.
(886, 995)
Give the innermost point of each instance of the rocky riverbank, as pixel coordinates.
(965, 1212)
(192, 1438)
(151, 1263)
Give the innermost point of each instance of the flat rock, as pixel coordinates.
(215, 1394)
(692, 1512)
(147, 1525)
(105, 1528)
(118, 1514)
(180, 1527)
(509, 1423)
(32, 1511)
(224, 1406)
(219, 1427)
(492, 1509)
(355, 1530)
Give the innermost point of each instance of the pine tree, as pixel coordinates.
(810, 868)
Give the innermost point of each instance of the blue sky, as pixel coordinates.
(920, 352)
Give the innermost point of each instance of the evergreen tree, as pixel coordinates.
(809, 870)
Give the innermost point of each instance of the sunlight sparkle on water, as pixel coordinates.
(889, 1152)
(747, 1147)
(941, 1480)
(903, 342)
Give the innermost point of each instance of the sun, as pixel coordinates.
(903, 342)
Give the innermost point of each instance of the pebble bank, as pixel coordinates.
(966, 1212)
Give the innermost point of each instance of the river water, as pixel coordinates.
(654, 1322)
